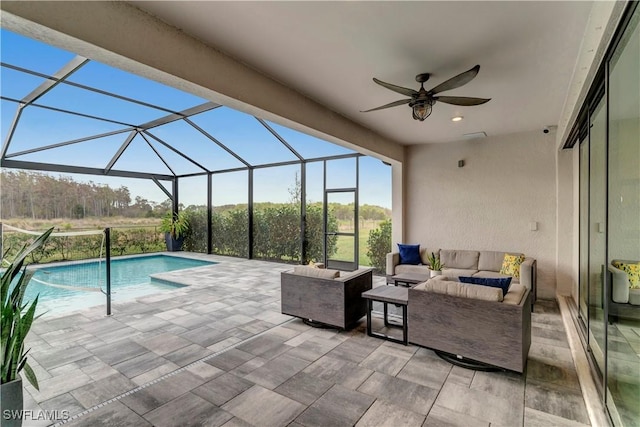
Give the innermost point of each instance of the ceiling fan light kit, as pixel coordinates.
(421, 109)
(422, 101)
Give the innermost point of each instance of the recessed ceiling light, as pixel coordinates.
(456, 118)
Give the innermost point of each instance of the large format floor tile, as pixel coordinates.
(218, 352)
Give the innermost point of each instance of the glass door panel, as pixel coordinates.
(597, 232)
(341, 229)
(623, 338)
(584, 231)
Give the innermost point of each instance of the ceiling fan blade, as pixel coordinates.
(389, 105)
(457, 81)
(461, 100)
(402, 90)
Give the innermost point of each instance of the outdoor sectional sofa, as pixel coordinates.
(485, 264)
(472, 322)
(325, 296)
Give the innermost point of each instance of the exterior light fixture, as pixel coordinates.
(457, 118)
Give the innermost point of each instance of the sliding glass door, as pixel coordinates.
(609, 227)
(597, 230)
(623, 239)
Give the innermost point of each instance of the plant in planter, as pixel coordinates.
(17, 319)
(174, 226)
(434, 264)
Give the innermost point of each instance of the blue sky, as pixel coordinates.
(240, 132)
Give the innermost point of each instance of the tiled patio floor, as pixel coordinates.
(219, 352)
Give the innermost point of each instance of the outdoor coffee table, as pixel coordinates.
(409, 280)
(388, 295)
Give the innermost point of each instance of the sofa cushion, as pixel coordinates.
(408, 268)
(490, 260)
(501, 283)
(462, 290)
(495, 275)
(515, 294)
(454, 273)
(511, 265)
(322, 273)
(409, 254)
(425, 252)
(452, 258)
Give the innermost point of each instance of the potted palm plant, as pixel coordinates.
(435, 265)
(17, 318)
(174, 226)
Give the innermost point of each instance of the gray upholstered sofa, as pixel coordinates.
(471, 321)
(330, 297)
(466, 263)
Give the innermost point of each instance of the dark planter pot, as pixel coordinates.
(12, 404)
(173, 245)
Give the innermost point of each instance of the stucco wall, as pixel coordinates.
(507, 183)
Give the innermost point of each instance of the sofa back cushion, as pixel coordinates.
(452, 258)
(490, 260)
(322, 273)
(426, 252)
(462, 290)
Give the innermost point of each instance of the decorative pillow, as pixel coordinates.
(502, 283)
(409, 254)
(511, 265)
(305, 270)
(632, 270)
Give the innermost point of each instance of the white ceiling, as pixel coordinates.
(329, 51)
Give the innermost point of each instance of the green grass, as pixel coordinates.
(345, 250)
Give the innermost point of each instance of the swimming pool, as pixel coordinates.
(72, 286)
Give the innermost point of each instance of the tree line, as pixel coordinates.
(41, 196)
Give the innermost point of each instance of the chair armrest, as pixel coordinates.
(393, 259)
(349, 275)
(620, 285)
(527, 274)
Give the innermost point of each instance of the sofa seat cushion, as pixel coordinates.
(515, 294)
(467, 260)
(495, 275)
(322, 273)
(454, 273)
(462, 290)
(407, 268)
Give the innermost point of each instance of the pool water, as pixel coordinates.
(78, 285)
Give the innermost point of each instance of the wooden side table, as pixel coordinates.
(409, 280)
(388, 295)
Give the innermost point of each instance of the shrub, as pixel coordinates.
(379, 244)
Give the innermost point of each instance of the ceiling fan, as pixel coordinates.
(422, 100)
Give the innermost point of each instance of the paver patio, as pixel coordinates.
(219, 352)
